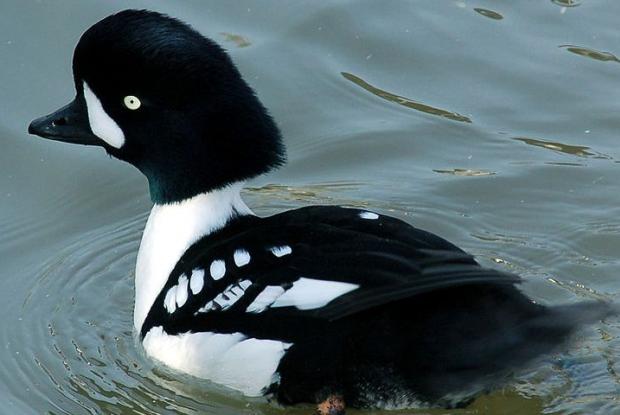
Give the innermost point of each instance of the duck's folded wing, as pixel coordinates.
(335, 268)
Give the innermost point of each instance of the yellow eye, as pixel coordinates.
(131, 102)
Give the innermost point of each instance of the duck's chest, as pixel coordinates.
(170, 230)
(231, 359)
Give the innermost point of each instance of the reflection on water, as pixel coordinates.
(580, 151)
(316, 194)
(564, 163)
(567, 3)
(489, 13)
(406, 102)
(238, 40)
(465, 172)
(71, 220)
(581, 290)
(82, 302)
(308, 193)
(591, 53)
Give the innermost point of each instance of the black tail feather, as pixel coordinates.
(494, 357)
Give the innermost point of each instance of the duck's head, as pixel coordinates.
(155, 93)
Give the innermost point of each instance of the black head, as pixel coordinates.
(154, 92)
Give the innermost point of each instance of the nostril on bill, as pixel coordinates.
(59, 122)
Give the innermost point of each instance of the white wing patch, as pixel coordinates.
(308, 293)
(305, 294)
(217, 269)
(245, 364)
(265, 298)
(102, 125)
(197, 281)
(241, 257)
(280, 251)
(369, 215)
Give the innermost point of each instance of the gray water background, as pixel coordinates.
(492, 123)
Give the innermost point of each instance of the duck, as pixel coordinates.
(328, 305)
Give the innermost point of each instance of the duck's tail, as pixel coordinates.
(481, 362)
(565, 319)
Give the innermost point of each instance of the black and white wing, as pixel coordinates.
(281, 276)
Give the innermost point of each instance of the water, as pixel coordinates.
(493, 124)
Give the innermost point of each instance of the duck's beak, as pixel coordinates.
(69, 124)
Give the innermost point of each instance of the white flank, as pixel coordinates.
(308, 293)
(170, 230)
(182, 293)
(265, 298)
(280, 251)
(369, 215)
(241, 257)
(101, 124)
(197, 281)
(217, 269)
(232, 360)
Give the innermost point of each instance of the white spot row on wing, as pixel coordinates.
(197, 281)
(241, 257)
(217, 269)
(369, 215)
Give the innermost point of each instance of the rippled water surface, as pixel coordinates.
(492, 123)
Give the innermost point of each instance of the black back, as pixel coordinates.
(427, 322)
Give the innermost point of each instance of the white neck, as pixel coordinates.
(170, 230)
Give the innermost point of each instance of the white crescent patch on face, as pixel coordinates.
(102, 125)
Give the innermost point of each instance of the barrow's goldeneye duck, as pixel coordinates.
(320, 304)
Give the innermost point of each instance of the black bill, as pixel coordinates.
(69, 124)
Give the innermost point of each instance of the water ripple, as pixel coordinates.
(575, 150)
(465, 172)
(489, 13)
(82, 355)
(567, 3)
(591, 53)
(406, 102)
(238, 40)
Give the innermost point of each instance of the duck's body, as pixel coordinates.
(328, 299)
(306, 304)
